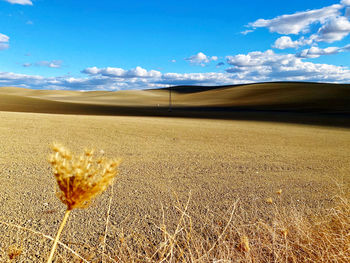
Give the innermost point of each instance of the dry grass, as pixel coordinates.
(288, 236)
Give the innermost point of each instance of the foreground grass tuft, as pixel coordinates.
(288, 236)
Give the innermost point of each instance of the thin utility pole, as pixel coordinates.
(169, 99)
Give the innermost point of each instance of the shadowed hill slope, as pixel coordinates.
(250, 101)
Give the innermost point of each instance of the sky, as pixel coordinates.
(138, 44)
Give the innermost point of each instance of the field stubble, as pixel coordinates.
(164, 159)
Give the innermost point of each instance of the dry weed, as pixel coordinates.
(290, 236)
(14, 251)
(80, 180)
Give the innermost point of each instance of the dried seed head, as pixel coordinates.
(80, 179)
(89, 152)
(244, 244)
(14, 252)
(284, 232)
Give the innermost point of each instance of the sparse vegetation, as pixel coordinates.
(230, 176)
(288, 236)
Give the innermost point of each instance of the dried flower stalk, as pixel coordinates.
(80, 179)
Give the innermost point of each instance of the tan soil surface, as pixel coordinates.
(219, 161)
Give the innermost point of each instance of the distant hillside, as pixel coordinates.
(295, 96)
(188, 101)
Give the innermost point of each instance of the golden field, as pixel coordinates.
(221, 164)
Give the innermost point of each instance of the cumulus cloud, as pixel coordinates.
(269, 66)
(245, 68)
(201, 59)
(335, 29)
(298, 22)
(209, 78)
(137, 72)
(332, 25)
(315, 52)
(4, 41)
(345, 2)
(257, 58)
(286, 42)
(96, 81)
(20, 2)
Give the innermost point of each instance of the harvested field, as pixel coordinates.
(218, 161)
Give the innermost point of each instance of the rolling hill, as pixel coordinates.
(235, 101)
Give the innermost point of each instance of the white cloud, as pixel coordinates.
(4, 41)
(137, 72)
(269, 66)
(209, 78)
(245, 68)
(91, 71)
(332, 22)
(315, 52)
(335, 29)
(50, 64)
(246, 32)
(20, 2)
(115, 79)
(345, 2)
(298, 22)
(4, 38)
(257, 58)
(201, 59)
(44, 63)
(286, 42)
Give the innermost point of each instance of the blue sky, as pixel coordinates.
(112, 45)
